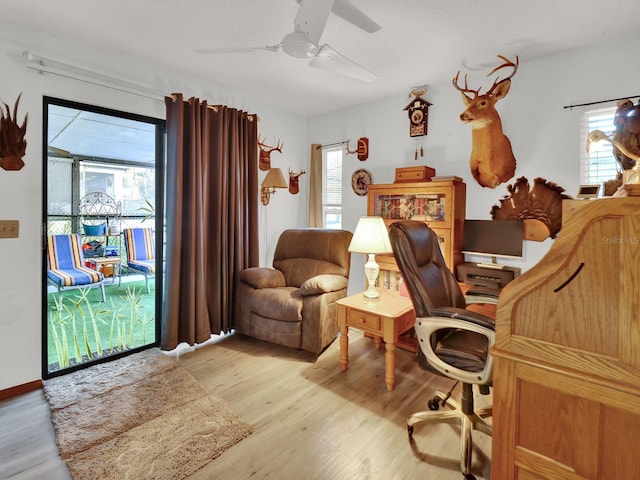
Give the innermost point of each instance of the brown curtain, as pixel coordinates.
(211, 216)
(315, 186)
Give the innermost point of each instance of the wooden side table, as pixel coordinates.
(385, 318)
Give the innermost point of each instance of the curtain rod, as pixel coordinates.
(600, 101)
(334, 144)
(46, 65)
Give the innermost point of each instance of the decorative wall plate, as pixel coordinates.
(359, 181)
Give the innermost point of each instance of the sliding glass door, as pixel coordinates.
(103, 237)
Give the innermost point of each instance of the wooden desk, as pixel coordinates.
(385, 318)
(566, 397)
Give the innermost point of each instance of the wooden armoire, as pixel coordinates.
(566, 391)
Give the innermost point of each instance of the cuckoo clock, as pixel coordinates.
(418, 112)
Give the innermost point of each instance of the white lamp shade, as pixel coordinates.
(370, 236)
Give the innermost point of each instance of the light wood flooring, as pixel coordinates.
(311, 420)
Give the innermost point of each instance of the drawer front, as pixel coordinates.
(364, 321)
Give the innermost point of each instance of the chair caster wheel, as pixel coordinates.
(410, 430)
(469, 476)
(434, 404)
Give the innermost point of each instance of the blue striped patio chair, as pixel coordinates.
(138, 243)
(66, 265)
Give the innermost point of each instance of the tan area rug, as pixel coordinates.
(142, 416)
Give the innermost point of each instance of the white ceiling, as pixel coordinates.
(421, 41)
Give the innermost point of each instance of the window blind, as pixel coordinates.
(332, 187)
(598, 165)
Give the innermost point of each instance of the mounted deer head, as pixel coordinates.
(293, 181)
(265, 153)
(492, 160)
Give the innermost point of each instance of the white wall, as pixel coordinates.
(21, 191)
(544, 135)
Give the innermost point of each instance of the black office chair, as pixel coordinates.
(453, 342)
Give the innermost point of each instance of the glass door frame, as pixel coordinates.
(160, 167)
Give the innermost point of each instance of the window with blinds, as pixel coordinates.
(332, 187)
(598, 165)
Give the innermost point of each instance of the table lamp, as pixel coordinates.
(274, 179)
(371, 237)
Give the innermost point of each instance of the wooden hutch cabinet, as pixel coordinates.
(566, 396)
(440, 204)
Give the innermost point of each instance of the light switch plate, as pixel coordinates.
(9, 228)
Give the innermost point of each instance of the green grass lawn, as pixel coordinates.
(82, 327)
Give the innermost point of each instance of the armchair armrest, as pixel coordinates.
(263, 277)
(323, 284)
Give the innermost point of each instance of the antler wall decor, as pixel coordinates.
(265, 153)
(362, 149)
(13, 145)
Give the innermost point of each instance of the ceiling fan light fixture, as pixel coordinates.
(298, 45)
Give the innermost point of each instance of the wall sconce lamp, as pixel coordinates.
(274, 179)
(371, 237)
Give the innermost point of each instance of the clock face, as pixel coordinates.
(359, 181)
(417, 116)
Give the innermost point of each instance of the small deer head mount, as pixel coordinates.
(492, 160)
(265, 153)
(362, 150)
(293, 181)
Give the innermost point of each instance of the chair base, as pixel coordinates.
(71, 287)
(467, 418)
(146, 277)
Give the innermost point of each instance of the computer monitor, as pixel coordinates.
(493, 238)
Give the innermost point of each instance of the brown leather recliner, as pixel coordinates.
(293, 303)
(453, 342)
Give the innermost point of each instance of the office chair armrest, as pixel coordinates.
(464, 315)
(477, 295)
(425, 327)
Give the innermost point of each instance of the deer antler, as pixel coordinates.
(350, 152)
(294, 174)
(466, 88)
(507, 63)
(266, 148)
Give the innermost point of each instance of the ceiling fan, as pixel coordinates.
(309, 25)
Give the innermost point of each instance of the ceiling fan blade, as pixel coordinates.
(269, 48)
(352, 14)
(312, 17)
(329, 59)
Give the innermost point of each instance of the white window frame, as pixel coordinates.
(598, 164)
(332, 168)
